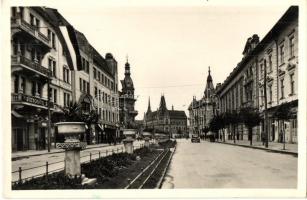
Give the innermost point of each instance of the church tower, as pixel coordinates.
(209, 90)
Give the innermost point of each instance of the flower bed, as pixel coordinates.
(104, 169)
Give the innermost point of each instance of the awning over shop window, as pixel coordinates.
(16, 114)
(100, 127)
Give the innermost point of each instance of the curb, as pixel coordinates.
(61, 151)
(159, 184)
(261, 148)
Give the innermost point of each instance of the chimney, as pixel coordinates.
(172, 107)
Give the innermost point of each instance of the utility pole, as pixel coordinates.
(49, 112)
(265, 109)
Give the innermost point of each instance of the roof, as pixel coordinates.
(289, 15)
(177, 114)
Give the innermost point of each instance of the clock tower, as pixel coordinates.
(127, 100)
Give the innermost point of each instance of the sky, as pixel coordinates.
(170, 48)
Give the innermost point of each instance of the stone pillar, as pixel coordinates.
(146, 142)
(128, 143)
(72, 162)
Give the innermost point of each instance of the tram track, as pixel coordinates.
(147, 178)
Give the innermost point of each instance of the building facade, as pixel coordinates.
(38, 55)
(269, 65)
(50, 58)
(172, 122)
(127, 100)
(202, 111)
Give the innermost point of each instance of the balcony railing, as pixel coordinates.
(17, 60)
(32, 30)
(23, 98)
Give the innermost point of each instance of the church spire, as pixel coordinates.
(149, 107)
(209, 85)
(127, 67)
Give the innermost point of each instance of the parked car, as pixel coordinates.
(195, 138)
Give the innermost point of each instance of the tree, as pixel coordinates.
(232, 118)
(283, 112)
(73, 113)
(251, 118)
(215, 124)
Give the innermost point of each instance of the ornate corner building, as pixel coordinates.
(53, 64)
(202, 111)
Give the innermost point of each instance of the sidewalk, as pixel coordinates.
(273, 146)
(29, 153)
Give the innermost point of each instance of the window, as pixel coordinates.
(87, 66)
(261, 70)
(282, 88)
(23, 85)
(84, 86)
(265, 67)
(113, 100)
(66, 99)
(49, 34)
(291, 45)
(53, 40)
(94, 71)
(37, 24)
(102, 78)
(99, 95)
(55, 98)
(88, 88)
(66, 78)
(96, 93)
(33, 88)
(54, 68)
(31, 19)
(16, 84)
(80, 84)
(292, 83)
(270, 93)
(50, 63)
(282, 54)
(14, 12)
(98, 75)
(270, 63)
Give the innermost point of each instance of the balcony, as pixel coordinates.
(20, 98)
(22, 26)
(30, 65)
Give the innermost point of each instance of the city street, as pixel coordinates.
(35, 161)
(215, 165)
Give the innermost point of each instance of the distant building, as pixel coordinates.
(277, 52)
(202, 111)
(173, 122)
(127, 100)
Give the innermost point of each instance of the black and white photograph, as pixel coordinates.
(103, 100)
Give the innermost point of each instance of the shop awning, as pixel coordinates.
(16, 114)
(99, 126)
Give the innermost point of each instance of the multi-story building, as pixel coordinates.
(172, 122)
(202, 111)
(38, 55)
(46, 47)
(277, 56)
(127, 100)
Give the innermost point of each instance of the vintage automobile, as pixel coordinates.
(195, 138)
